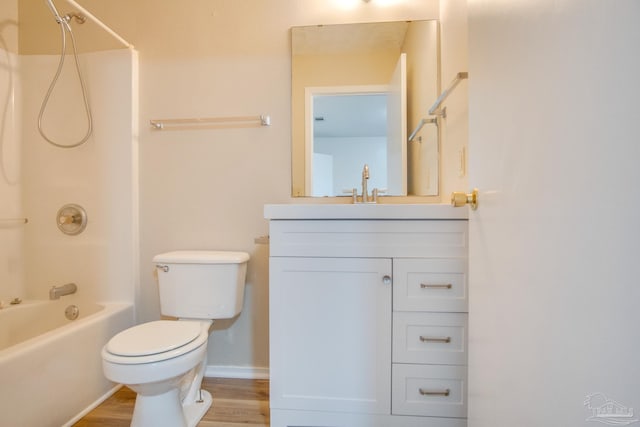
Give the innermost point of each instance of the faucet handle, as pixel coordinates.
(353, 192)
(376, 192)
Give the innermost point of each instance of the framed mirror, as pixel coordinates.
(358, 90)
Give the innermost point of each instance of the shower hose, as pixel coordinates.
(64, 27)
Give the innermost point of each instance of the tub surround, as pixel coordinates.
(58, 374)
(100, 176)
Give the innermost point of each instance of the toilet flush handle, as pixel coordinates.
(163, 267)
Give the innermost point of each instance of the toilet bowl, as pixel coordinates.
(164, 361)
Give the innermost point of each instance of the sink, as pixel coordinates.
(363, 211)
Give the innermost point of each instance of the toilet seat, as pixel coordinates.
(155, 341)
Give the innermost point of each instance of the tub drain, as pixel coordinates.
(72, 312)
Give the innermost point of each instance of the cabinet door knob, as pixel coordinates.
(386, 279)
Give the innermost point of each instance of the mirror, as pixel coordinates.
(358, 91)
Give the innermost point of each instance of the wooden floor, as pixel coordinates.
(236, 402)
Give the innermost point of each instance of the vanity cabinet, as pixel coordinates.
(368, 323)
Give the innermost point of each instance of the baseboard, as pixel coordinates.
(246, 372)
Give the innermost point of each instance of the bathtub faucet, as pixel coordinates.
(57, 291)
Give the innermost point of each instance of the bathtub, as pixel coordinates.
(50, 367)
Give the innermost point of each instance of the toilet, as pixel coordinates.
(164, 361)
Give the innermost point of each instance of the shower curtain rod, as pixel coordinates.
(102, 25)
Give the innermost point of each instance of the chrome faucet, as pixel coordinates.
(365, 178)
(364, 198)
(57, 291)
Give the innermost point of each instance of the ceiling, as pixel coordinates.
(347, 38)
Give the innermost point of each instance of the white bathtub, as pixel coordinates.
(50, 367)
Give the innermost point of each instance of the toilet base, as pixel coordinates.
(196, 410)
(165, 410)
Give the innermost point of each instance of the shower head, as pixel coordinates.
(53, 9)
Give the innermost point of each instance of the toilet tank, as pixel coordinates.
(201, 284)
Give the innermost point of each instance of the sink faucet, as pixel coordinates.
(365, 178)
(364, 198)
(57, 291)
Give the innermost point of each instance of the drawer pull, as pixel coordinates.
(436, 286)
(435, 339)
(424, 392)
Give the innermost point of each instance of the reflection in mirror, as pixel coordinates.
(347, 129)
(356, 89)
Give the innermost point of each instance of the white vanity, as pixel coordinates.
(368, 315)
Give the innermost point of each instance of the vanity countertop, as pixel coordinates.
(364, 211)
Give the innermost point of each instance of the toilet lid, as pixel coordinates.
(153, 338)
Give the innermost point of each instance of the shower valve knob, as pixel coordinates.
(69, 219)
(72, 219)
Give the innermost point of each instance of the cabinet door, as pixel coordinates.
(330, 334)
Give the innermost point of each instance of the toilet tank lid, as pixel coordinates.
(202, 257)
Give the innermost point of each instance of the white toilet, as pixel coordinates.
(164, 361)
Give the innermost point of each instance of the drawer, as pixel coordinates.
(430, 284)
(429, 390)
(431, 338)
